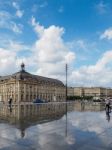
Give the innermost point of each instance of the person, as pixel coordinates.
(82, 105)
(107, 101)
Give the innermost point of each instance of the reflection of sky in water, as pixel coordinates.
(81, 130)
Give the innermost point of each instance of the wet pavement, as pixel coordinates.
(49, 127)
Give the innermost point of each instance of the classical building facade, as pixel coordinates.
(24, 87)
(95, 92)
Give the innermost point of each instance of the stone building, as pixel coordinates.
(70, 91)
(24, 87)
(78, 91)
(95, 92)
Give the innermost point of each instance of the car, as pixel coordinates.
(37, 100)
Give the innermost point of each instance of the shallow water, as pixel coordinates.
(82, 126)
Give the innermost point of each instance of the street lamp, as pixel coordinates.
(66, 67)
(66, 81)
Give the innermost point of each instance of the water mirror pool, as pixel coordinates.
(55, 126)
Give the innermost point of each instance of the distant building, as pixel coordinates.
(24, 87)
(78, 91)
(95, 92)
(70, 91)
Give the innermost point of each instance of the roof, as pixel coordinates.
(23, 75)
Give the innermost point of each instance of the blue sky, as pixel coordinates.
(46, 34)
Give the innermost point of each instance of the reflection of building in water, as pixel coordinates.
(23, 86)
(85, 106)
(23, 116)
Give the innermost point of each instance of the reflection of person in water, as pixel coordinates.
(108, 116)
(82, 105)
(108, 108)
(10, 108)
(22, 133)
(10, 102)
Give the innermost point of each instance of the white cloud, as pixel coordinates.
(37, 27)
(17, 28)
(19, 13)
(17, 46)
(81, 45)
(94, 75)
(6, 22)
(107, 34)
(15, 5)
(11, 56)
(10, 61)
(7, 61)
(51, 52)
(69, 57)
(7, 42)
(5, 14)
(5, 17)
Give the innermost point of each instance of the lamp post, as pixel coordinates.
(66, 80)
(66, 67)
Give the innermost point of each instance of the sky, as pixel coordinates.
(47, 34)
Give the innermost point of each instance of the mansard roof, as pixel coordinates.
(23, 75)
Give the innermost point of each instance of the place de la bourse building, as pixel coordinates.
(25, 87)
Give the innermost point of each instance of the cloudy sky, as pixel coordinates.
(47, 34)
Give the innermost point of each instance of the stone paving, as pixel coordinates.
(78, 130)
